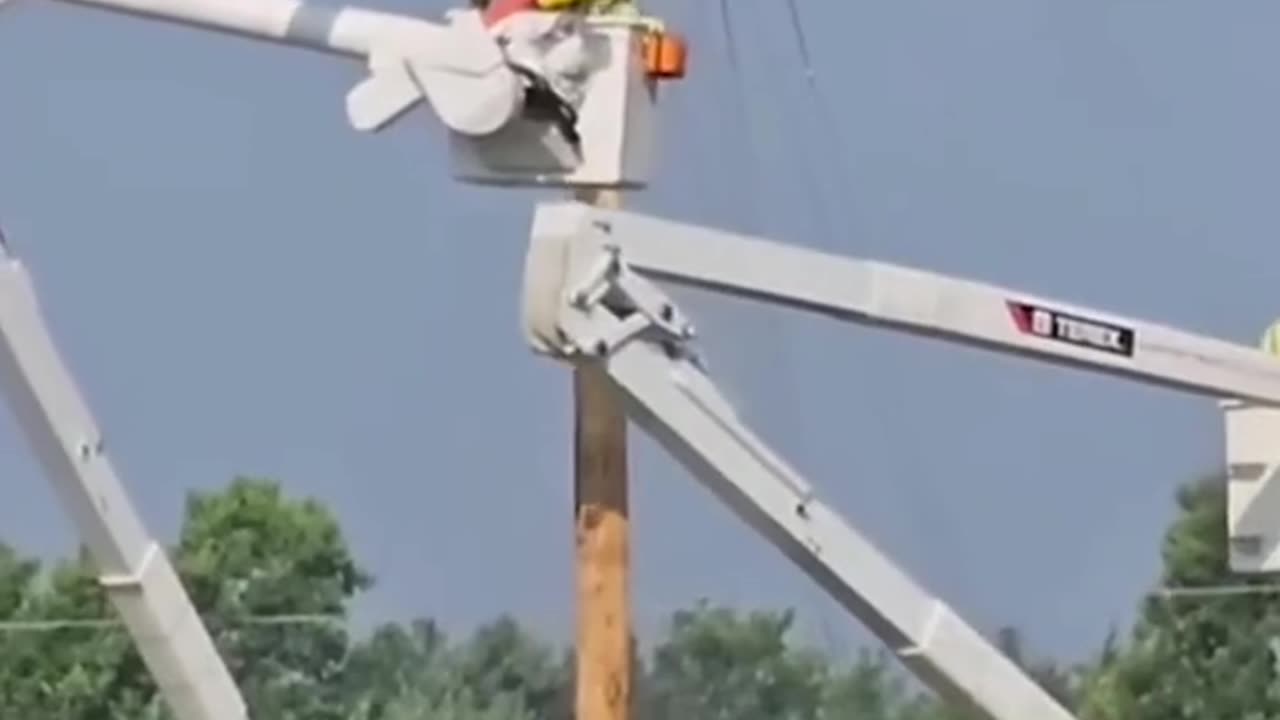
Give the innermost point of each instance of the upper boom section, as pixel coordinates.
(457, 66)
(337, 29)
(532, 98)
(918, 302)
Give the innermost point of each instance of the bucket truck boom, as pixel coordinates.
(537, 98)
(457, 66)
(590, 298)
(134, 569)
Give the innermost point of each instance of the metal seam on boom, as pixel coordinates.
(312, 24)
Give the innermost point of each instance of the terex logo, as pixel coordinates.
(1054, 325)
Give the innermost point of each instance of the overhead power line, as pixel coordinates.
(51, 625)
(1217, 591)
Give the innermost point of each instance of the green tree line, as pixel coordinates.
(249, 555)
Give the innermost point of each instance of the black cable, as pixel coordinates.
(802, 41)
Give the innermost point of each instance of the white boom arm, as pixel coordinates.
(458, 66)
(135, 571)
(535, 98)
(922, 303)
(587, 299)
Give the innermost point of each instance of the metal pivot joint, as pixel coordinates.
(641, 310)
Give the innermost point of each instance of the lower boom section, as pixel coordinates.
(135, 572)
(675, 402)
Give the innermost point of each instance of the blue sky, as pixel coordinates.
(245, 285)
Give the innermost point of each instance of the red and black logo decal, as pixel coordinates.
(1062, 327)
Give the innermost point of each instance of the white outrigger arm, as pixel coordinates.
(590, 298)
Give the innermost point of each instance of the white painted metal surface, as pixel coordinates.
(1253, 486)
(1246, 379)
(456, 66)
(1253, 478)
(492, 88)
(879, 294)
(135, 570)
(587, 299)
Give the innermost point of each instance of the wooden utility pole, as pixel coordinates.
(603, 542)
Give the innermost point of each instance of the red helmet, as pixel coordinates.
(499, 9)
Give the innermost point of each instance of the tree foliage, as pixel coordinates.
(1194, 657)
(720, 666)
(245, 553)
(500, 673)
(250, 556)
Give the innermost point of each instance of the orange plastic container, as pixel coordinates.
(665, 55)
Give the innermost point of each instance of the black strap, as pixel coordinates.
(542, 102)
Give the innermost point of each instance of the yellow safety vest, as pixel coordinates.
(1271, 340)
(593, 6)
